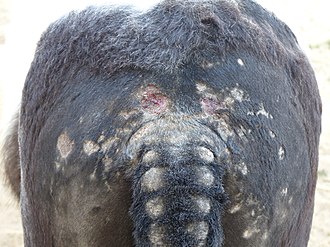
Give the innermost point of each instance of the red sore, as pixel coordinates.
(211, 105)
(153, 100)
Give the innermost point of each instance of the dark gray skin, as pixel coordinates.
(193, 124)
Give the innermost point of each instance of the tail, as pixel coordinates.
(10, 158)
(178, 199)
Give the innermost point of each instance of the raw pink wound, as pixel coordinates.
(210, 105)
(153, 100)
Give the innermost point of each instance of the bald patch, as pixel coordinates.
(64, 145)
(153, 179)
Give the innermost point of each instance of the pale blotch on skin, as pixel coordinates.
(240, 62)
(58, 166)
(201, 87)
(101, 138)
(237, 94)
(107, 161)
(205, 176)
(250, 113)
(226, 151)
(178, 139)
(265, 236)
(263, 112)
(284, 191)
(106, 183)
(199, 230)
(229, 101)
(150, 156)
(224, 129)
(241, 132)
(127, 114)
(242, 168)
(155, 207)
(90, 147)
(272, 134)
(81, 119)
(248, 233)
(107, 144)
(202, 243)
(64, 145)
(92, 177)
(152, 179)
(207, 65)
(235, 208)
(281, 153)
(205, 154)
(123, 131)
(203, 204)
(157, 235)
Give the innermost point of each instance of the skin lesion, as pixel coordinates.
(157, 236)
(203, 204)
(152, 179)
(214, 103)
(153, 100)
(210, 105)
(155, 207)
(90, 147)
(64, 145)
(199, 230)
(205, 154)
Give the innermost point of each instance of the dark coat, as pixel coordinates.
(196, 123)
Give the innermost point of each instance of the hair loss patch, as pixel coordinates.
(153, 179)
(150, 156)
(205, 154)
(153, 100)
(201, 87)
(240, 62)
(237, 94)
(210, 104)
(207, 65)
(281, 153)
(64, 145)
(199, 230)
(248, 233)
(157, 236)
(235, 208)
(263, 112)
(90, 147)
(205, 176)
(272, 134)
(155, 207)
(108, 144)
(203, 204)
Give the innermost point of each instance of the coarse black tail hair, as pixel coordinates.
(9, 155)
(178, 199)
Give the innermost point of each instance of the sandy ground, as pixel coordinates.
(309, 20)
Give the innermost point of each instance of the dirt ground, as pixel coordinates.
(311, 23)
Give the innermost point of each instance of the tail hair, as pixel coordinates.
(10, 158)
(177, 202)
